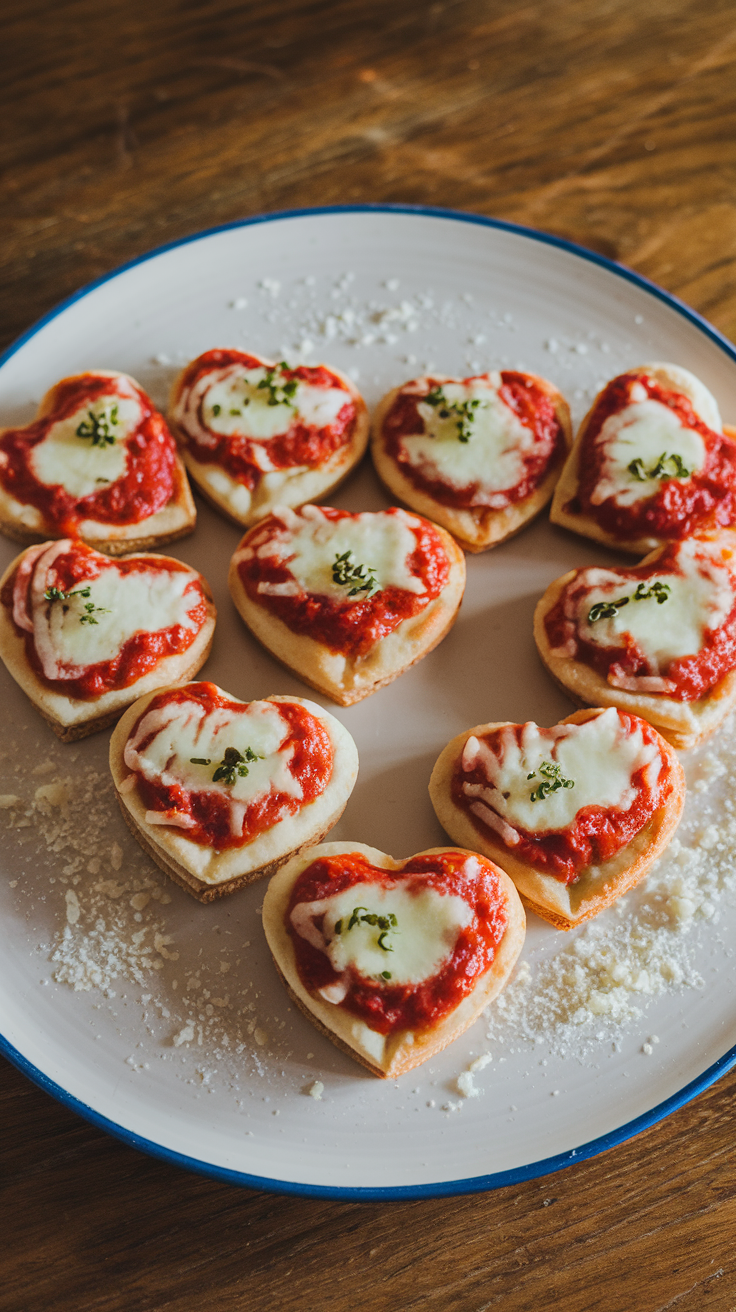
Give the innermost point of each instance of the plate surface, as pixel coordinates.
(163, 1020)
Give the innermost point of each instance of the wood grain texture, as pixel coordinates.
(128, 124)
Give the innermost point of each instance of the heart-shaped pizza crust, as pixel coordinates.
(98, 463)
(656, 639)
(256, 434)
(85, 635)
(347, 601)
(575, 814)
(651, 463)
(478, 455)
(392, 960)
(221, 792)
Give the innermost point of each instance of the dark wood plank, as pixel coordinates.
(130, 124)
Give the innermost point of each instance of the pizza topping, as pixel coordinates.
(463, 412)
(182, 732)
(608, 610)
(600, 783)
(252, 418)
(99, 424)
(678, 639)
(103, 454)
(488, 440)
(654, 460)
(303, 566)
(346, 572)
(552, 779)
(234, 764)
(440, 916)
(92, 625)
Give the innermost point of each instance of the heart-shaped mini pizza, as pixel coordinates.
(85, 635)
(221, 792)
(392, 960)
(347, 601)
(479, 455)
(97, 463)
(575, 814)
(658, 639)
(652, 463)
(257, 434)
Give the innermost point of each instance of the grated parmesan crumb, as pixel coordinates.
(316, 1090)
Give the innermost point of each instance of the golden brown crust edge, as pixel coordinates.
(197, 887)
(682, 724)
(320, 669)
(340, 465)
(543, 893)
(51, 705)
(475, 530)
(404, 1051)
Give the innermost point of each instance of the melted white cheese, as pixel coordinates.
(73, 462)
(185, 729)
(428, 923)
(125, 604)
(311, 543)
(599, 756)
(232, 404)
(644, 430)
(700, 598)
(493, 454)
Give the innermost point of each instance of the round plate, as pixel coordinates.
(193, 1053)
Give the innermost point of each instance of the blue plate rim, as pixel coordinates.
(435, 1189)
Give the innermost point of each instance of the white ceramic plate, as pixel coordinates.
(384, 291)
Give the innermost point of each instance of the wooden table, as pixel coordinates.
(612, 122)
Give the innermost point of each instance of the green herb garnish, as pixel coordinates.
(362, 577)
(607, 610)
(463, 412)
(56, 594)
(552, 780)
(98, 427)
(664, 468)
(90, 610)
(385, 974)
(216, 409)
(279, 392)
(232, 765)
(362, 916)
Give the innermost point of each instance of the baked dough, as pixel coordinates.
(73, 717)
(349, 675)
(563, 510)
(291, 485)
(204, 872)
(476, 527)
(401, 1051)
(597, 887)
(24, 522)
(684, 724)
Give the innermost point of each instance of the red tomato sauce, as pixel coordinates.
(596, 834)
(311, 764)
(523, 395)
(140, 653)
(145, 487)
(388, 1007)
(301, 444)
(680, 506)
(352, 627)
(691, 676)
